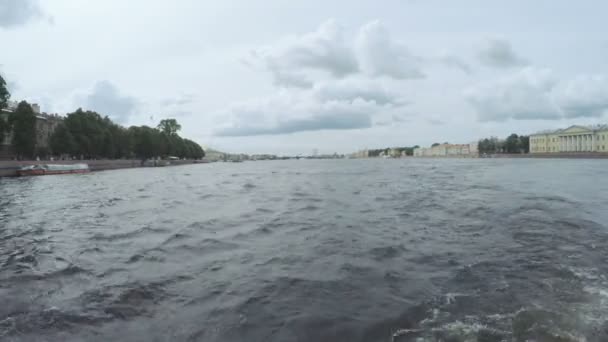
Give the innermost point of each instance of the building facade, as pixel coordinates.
(572, 139)
(448, 150)
(45, 126)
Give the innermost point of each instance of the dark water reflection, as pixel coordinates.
(351, 250)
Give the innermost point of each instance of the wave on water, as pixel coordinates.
(408, 250)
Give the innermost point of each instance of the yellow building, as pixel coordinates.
(447, 150)
(572, 139)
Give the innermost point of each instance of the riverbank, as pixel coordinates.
(573, 155)
(8, 168)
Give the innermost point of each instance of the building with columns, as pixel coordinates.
(572, 139)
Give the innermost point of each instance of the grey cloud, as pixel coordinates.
(379, 55)
(325, 121)
(396, 118)
(456, 62)
(178, 101)
(289, 113)
(290, 79)
(498, 53)
(107, 100)
(436, 122)
(524, 95)
(350, 90)
(14, 13)
(583, 96)
(535, 94)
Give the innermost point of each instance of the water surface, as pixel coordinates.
(336, 250)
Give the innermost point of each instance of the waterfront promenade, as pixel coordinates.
(8, 168)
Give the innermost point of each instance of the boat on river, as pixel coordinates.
(52, 169)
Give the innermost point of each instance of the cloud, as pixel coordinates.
(351, 103)
(379, 55)
(15, 13)
(583, 96)
(289, 79)
(498, 53)
(105, 99)
(298, 61)
(533, 93)
(291, 113)
(435, 122)
(524, 95)
(351, 89)
(181, 100)
(323, 50)
(455, 62)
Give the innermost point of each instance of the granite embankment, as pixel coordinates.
(9, 168)
(569, 155)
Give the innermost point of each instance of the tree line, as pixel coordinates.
(89, 135)
(512, 144)
(409, 151)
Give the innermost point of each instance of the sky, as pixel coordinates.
(290, 77)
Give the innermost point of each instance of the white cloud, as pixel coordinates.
(321, 86)
(380, 55)
(15, 13)
(498, 53)
(583, 96)
(521, 96)
(322, 50)
(533, 93)
(106, 99)
(351, 89)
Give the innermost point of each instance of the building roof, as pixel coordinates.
(598, 127)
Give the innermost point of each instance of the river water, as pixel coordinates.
(336, 250)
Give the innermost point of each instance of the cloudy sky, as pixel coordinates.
(288, 77)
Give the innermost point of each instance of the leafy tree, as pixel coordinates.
(4, 94)
(512, 144)
(169, 126)
(89, 134)
(524, 143)
(62, 141)
(435, 144)
(4, 127)
(146, 142)
(23, 123)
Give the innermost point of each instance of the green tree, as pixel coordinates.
(169, 126)
(89, 134)
(512, 144)
(4, 94)
(4, 127)
(435, 144)
(62, 141)
(146, 142)
(524, 143)
(23, 123)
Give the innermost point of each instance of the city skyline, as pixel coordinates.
(288, 79)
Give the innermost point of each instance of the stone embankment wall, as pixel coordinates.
(9, 167)
(575, 155)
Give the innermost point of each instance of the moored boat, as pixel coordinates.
(52, 169)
